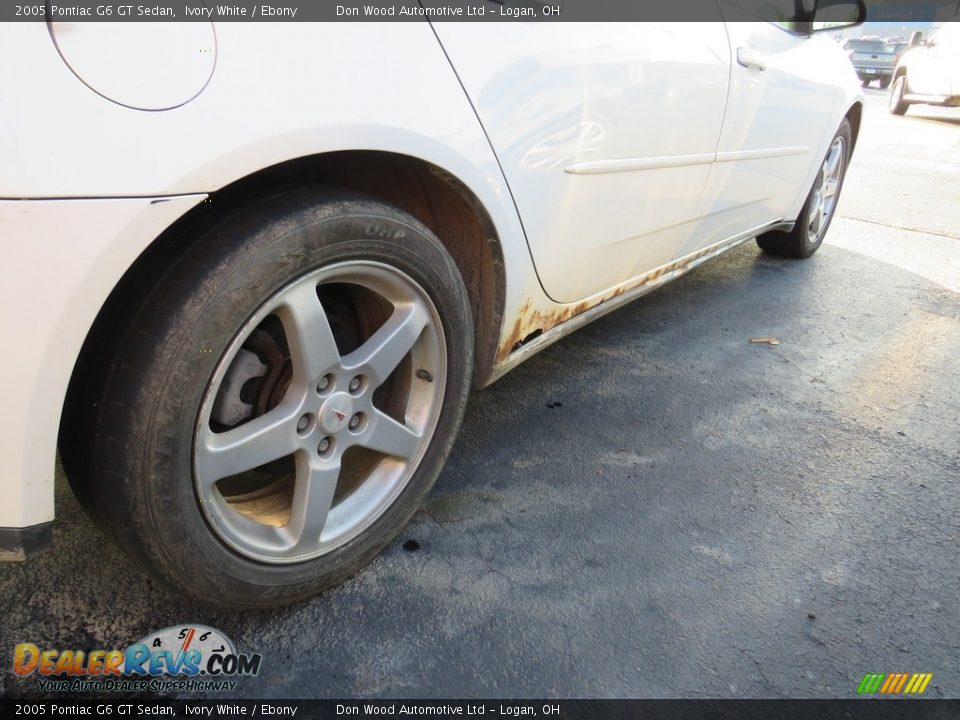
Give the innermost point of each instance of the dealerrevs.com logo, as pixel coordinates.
(180, 658)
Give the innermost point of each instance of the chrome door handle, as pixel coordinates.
(748, 57)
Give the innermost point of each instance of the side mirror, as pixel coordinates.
(916, 38)
(834, 14)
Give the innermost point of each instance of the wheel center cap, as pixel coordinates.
(335, 413)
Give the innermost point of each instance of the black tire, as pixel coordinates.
(866, 82)
(797, 243)
(141, 482)
(885, 83)
(897, 105)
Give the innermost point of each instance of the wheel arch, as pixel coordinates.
(434, 196)
(854, 116)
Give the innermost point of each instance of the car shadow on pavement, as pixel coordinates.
(653, 506)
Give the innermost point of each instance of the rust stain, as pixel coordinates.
(530, 321)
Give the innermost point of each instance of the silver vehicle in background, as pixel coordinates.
(929, 72)
(872, 60)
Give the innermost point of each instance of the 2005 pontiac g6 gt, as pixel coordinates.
(250, 273)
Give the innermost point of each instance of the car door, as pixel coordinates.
(781, 95)
(605, 133)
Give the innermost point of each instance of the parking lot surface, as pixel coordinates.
(653, 507)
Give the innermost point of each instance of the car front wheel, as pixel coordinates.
(817, 213)
(284, 399)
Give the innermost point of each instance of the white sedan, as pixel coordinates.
(250, 274)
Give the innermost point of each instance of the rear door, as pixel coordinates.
(605, 132)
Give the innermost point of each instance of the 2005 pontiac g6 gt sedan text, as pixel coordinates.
(250, 273)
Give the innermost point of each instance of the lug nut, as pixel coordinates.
(324, 383)
(355, 421)
(355, 384)
(323, 446)
(302, 423)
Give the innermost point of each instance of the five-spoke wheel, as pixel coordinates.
(825, 189)
(327, 408)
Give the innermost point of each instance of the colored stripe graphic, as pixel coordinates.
(889, 683)
(894, 683)
(870, 683)
(900, 683)
(918, 683)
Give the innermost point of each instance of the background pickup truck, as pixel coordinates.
(872, 60)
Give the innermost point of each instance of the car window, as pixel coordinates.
(866, 46)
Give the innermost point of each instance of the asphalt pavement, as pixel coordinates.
(653, 507)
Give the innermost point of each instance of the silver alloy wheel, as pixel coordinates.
(824, 199)
(325, 415)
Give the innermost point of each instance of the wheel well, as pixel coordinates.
(436, 198)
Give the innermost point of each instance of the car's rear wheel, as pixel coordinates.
(898, 106)
(817, 213)
(866, 81)
(884, 83)
(284, 399)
